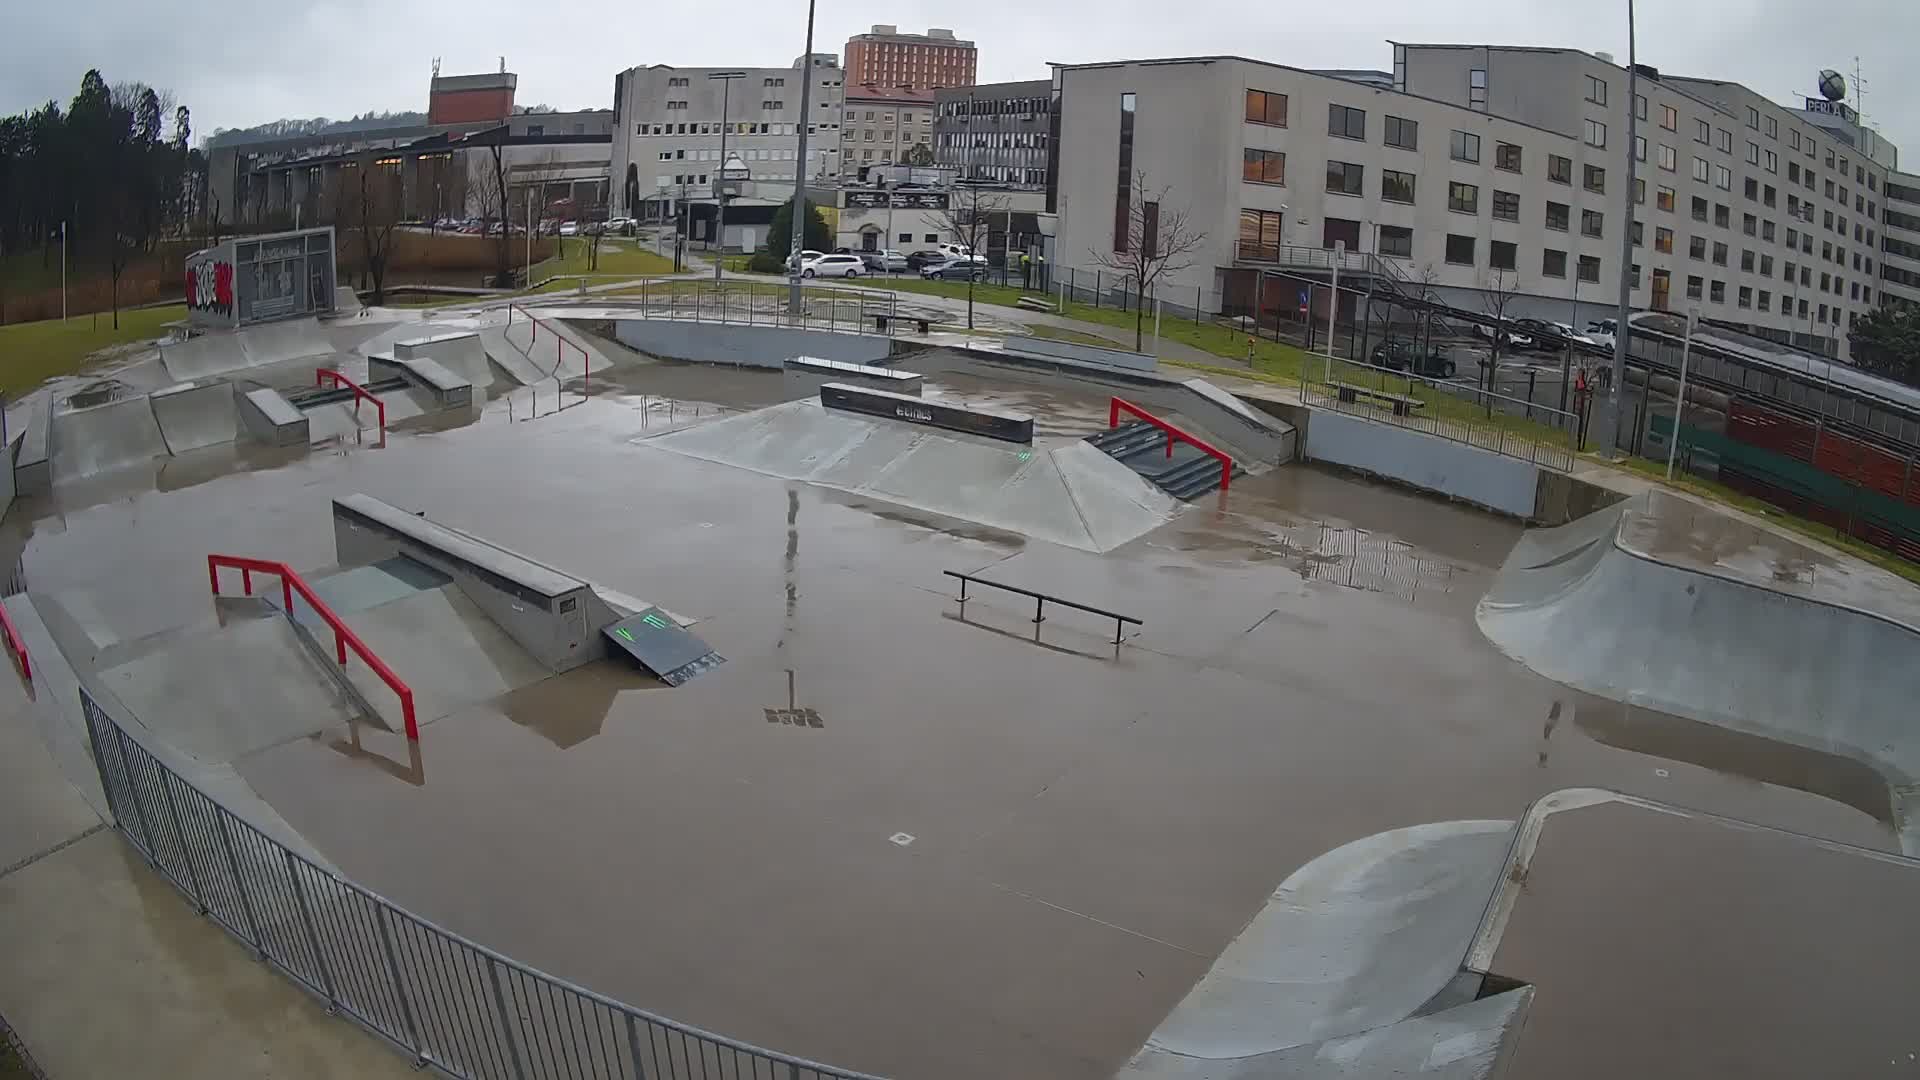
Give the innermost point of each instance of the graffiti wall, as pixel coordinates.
(253, 279)
(210, 287)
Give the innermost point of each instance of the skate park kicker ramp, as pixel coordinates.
(1667, 604)
(1061, 490)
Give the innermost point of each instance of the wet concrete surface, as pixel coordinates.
(1661, 944)
(992, 854)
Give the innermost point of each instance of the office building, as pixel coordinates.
(886, 57)
(997, 132)
(881, 126)
(1900, 238)
(668, 127)
(1493, 175)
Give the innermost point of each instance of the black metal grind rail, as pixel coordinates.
(1041, 600)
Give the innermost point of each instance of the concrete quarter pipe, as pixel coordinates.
(1663, 603)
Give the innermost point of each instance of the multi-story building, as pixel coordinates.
(1900, 238)
(1485, 172)
(996, 132)
(886, 57)
(668, 128)
(881, 127)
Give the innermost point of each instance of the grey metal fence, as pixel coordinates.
(1390, 396)
(749, 303)
(458, 1007)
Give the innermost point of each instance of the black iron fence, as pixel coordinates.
(458, 1007)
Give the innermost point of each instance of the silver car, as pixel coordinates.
(886, 262)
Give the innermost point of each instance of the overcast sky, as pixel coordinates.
(236, 64)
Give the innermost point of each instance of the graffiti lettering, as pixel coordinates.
(210, 287)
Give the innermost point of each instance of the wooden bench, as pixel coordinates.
(920, 324)
(1035, 303)
(1402, 404)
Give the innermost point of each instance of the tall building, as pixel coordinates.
(888, 58)
(668, 125)
(997, 132)
(1485, 171)
(1900, 239)
(881, 126)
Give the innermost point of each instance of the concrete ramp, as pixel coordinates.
(448, 650)
(105, 437)
(223, 352)
(216, 352)
(512, 359)
(289, 339)
(192, 416)
(1061, 490)
(1663, 603)
(576, 356)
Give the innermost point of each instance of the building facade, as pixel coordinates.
(996, 132)
(1494, 176)
(668, 128)
(1900, 238)
(881, 127)
(471, 99)
(886, 57)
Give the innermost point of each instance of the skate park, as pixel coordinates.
(1276, 828)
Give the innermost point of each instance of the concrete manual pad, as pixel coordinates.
(105, 437)
(223, 694)
(1052, 491)
(192, 416)
(1637, 614)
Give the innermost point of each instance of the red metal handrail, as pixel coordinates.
(343, 637)
(16, 644)
(586, 366)
(1118, 406)
(321, 377)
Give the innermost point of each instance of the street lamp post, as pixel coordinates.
(725, 79)
(1622, 327)
(800, 176)
(898, 159)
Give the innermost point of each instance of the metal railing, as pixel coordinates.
(16, 644)
(748, 303)
(1557, 451)
(451, 1004)
(1041, 600)
(343, 636)
(559, 342)
(1116, 406)
(324, 376)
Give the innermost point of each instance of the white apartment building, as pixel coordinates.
(1900, 238)
(879, 127)
(668, 128)
(1484, 170)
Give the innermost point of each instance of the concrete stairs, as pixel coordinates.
(1186, 474)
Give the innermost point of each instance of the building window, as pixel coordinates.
(1464, 147)
(1396, 186)
(1699, 208)
(1669, 158)
(1751, 189)
(1766, 300)
(1501, 255)
(1477, 91)
(1722, 216)
(1663, 199)
(1697, 248)
(1553, 263)
(1639, 148)
(1459, 249)
(1770, 196)
(1766, 266)
(1749, 225)
(1123, 192)
(1595, 179)
(1793, 172)
(1559, 169)
(1463, 198)
(1266, 108)
(1640, 106)
(1557, 216)
(1669, 118)
(1596, 90)
(1404, 134)
(1663, 240)
(1506, 156)
(1773, 162)
(1591, 222)
(1590, 268)
(1773, 128)
(1260, 234)
(1506, 206)
(1724, 140)
(1264, 167)
(1702, 131)
(1702, 171)
(1696, 287)
(1346, 123)
(1717, 292)
(1345, 178)
(1396, 241)
(1639, 192)
(1639, 234)
(1753, 153)
(1719, 253)
(1596, 133)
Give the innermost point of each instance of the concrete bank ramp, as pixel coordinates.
(1663, 603)
(1062, 491)
(195, 415)
(101, 438)
(223, 352)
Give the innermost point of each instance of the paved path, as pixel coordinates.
(105, 970)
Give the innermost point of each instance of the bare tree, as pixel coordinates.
(491, 198)
(1159, 240)
(370, 206)
(1497, 292)
(969, 216)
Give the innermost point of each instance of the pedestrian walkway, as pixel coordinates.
(105, 970)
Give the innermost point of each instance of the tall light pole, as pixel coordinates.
(898, 159)
(800, 176)
(725, 79)
(1622, 328)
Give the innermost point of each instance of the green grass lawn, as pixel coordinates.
(31, 353)
(618, 258)
(1061, 333)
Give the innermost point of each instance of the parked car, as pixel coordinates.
(961, 253)
(919, 260)
(569, 228)
(1508, 338)
(620, 226)
(1602, 332)
(836, 265)
(885, 262)
(955, 270)
(1406, 356)
(807, 255)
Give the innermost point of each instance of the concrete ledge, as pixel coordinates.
(447, 389)
(1087, 354)
(1499, 483)
(1007, 427)
(32, 466)
(270, 418)
(746, 346)
(806, 374)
